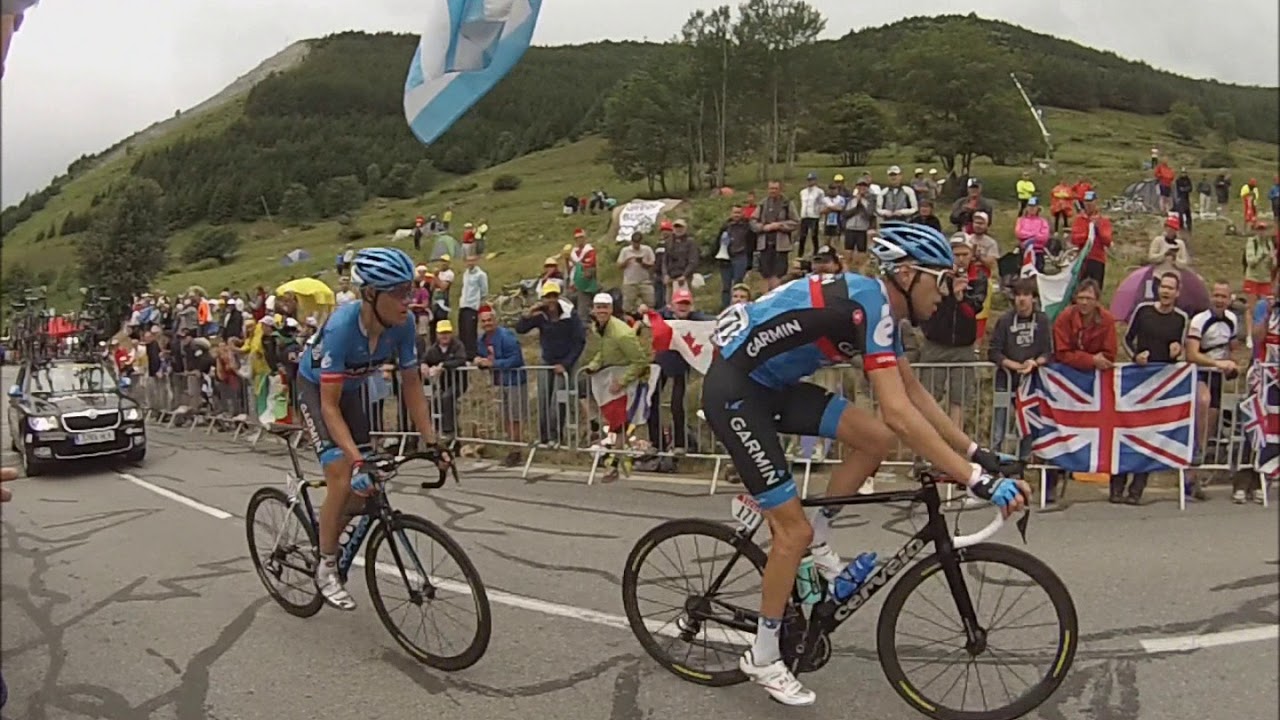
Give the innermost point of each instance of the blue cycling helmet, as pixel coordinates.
(901, 242)
(381, 268)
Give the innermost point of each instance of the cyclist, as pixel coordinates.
(752, 393)
(354, 344)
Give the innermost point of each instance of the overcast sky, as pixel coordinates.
(83, 74)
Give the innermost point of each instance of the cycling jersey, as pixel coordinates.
(807, 324)
(340, 351)
(1215, 333)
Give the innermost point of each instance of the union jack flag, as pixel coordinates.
(1260, 419)
(1131, 419)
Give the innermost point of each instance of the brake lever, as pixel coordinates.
(1022, 523)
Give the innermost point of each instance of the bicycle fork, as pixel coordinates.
(975, 635)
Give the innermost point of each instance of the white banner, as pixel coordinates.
(637, 216)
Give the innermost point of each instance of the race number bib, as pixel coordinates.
(746, 511)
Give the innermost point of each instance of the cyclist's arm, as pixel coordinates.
(902, 414)
(929, 408)
(415, 400)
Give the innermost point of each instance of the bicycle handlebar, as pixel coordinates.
(388, 467)
(1010, 469)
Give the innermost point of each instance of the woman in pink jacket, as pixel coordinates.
(1032, 231)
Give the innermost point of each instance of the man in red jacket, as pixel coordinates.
(1092, 223)
(1084, 335)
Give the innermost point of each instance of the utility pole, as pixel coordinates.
(1035, 114)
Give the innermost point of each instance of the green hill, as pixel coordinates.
(335, 112)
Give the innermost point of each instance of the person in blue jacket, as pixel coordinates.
(498, 349)
(563, 337)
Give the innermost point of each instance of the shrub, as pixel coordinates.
(351, 233)
(506, 182)
(218, 245)
(206, 264)
(1216, 159)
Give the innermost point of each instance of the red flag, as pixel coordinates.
(690, 338)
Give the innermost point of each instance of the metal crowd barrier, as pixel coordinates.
(535, 410)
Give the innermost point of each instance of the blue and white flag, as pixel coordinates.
(1134, 418)
(467, 47)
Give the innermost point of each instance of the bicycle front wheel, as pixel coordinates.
(1009, 589)
(407, 567)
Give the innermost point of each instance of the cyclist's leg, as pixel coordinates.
(740, 413)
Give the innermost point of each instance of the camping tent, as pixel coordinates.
(295, 256)
(444, 245)
(1146, 192)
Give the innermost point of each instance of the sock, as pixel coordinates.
(822, 524)
(328, 564)
(765, 650)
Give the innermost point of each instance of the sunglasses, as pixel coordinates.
(400, 292)
(944, 278)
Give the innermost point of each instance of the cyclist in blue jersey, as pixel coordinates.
(753, 393)
(354, 344)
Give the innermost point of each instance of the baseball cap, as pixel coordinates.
(551, 287)
(444, 326)
(983, 215)
(664, 225)
(1033, 201)
(553, 260)
(975, 182)
(1090, 196)
(895, 170)
(960, 239)
(602, 299)
(838, 178)
(826, 252)
(681, 295)
(1173, 222)
(812, 176)
(864, 181)
(678, 222)
(933, 171)
(919, 171)
(579, 233)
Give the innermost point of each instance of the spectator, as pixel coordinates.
(468, 239)
(499, 350)
(475, 287)
(417, 235)
(1092, 224)
(420, 300)
(1259, 264)
(1205, 189)
(985, 248)
(872, 188)
(582, 272)
(659, 273)
(1249, 196)
(1082, 187)
(1211, 338)
(232, 321)
(951, 335)
(674, 368)
(859, 219)
(923, 187)
(973, 202)
(1222, 189)
(1021, 342)
(774, 222)
(1156, 334)
(550, 271)
(1182, 189)
(841, 189)
(441, 290)
(1163, 175)
(812, 202)
(736, 241)
(1274, 195)
(826, 261)
(1084, 334)
(345, 294)
(446, 218)
(926, 217)
(562, 338)
(636, 260)
(1032, 231)
(345, 258)
(742, 293)
(833, 205)
(1026, 189)
(682, 257)
(442, 363)
(749, 206)
(896, 201)
(619, 347)
(1168, 251)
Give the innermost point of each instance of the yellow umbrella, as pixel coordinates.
(314, 297)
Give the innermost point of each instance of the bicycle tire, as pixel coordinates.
(484, 619)
(1034, 568)
(630, 601)
(275, 494)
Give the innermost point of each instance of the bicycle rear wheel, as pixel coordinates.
(703, 613)
(433, 590)
(930, 663)
(278, 551)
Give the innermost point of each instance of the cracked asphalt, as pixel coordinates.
(120, 603)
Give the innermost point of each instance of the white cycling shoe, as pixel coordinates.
(776, 680)
(332, 589)
(827, 561)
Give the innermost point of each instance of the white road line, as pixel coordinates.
(523, 602)
(183, 499)
(1195, 642)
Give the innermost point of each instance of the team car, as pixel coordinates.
(72, 411)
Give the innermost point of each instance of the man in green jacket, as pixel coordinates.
(619, 345)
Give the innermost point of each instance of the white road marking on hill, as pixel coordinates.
(183, 499)
(1195, 642)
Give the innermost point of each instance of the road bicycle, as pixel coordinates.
(417, 574)
(714, 620)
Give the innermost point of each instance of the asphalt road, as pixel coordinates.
(122, 602)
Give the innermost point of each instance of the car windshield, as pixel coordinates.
(72, 379)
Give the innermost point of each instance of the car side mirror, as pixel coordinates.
(15, 391)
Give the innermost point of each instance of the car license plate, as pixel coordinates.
(97, 436)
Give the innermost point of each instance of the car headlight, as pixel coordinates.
(132, 415)
(42, 424)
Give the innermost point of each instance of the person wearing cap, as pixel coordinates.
(1061, 205)
(1163, 175)
(499, 350)
(740, 294)
(420, 299)
(475, 287)
(833, 205)
(550, 271)
(826, 261)
(973, 201)
(619, 347)
(773, 225)
(674, 368)
(232, 322)
(1082, 187)
(858, 220)
(345, 294)
(681, 256)
(442, 363)
(1168, 251)
(1032, 232)
(841, 189)
(811, 205)
(736, 242)
(951, 334)
(1249, 196)
(1025, 189)
(1222, 189)
(1182, 190)
(1259, 268)
(896, 201)
(561, 338)
(920, 184)
(1091, 223)
(636, 261)
(926, 215)
(583, 284)
(985, 248)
